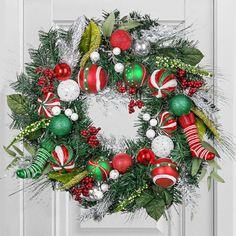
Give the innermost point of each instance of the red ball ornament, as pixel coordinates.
(122, 162)
(145, 156)
(165, 173)
(92, 78)
(62, 71)
(121, 39)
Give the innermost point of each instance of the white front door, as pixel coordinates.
(55, 214)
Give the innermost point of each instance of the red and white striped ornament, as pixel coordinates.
(92, 78)
(165, 173)
(167, 123)
(162, 82)
(46, 103)
(61, 159)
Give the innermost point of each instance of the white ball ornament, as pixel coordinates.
(119, 68)
(95, 56)
(146, 117)
(114, 174)
(162, 146)
(56, 111)
(153, 122)
(104, 187)
(68, 112)
(150, 134)
(68, 90)
(98, 195)
(116, 51)
(74, 117)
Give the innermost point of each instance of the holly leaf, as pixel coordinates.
(18, 150)
(202, 175)
(29, 148)
(216, 177)
(210, 148)
(155, 209)
(196, 163)
(131, 24)
(9, 152)
(17, 103)
(146, 197)
(191, 56)
(108, 25)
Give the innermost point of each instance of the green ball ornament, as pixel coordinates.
(180, 104)
(60, 125)
(99, 169)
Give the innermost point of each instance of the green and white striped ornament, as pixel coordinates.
(135, 75)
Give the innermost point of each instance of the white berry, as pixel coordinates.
(119, 67)
(150, 133)
(104, 187)
(116, 51)
(114, 174)
(56, 110)
(146, 117)
(68, 112)
(153, 122)
(74, 116)
(98, 195)
(94, 56)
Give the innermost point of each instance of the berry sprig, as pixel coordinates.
(90, 136)
(133, 104)
(121, 88)
(83, 190)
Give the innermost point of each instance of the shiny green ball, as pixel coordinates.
(180, 104)
(60, 125)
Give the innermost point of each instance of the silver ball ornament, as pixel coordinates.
(119, 68)
(114, 174)
(56, 110)
(162, 146)
(116, 51)
(68, 90)
(153, 122)
(104, 187)
(150, 134)
(68, 112)
(74, 117)
(141, 47)
(95, 56)
(146, 117)
(98, 195)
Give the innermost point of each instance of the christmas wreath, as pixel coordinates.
(156, 70)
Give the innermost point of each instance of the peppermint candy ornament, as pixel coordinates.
(167, 123)
(99, 169)
(61, 159)
(165, 173)
(46, 104)
(92, 78)
(162, 83)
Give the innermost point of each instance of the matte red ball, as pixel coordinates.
(122, 162)
(121, 39)
(62, 71)
(145, 156)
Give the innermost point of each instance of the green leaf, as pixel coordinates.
(146, 197)
(155, 209)
(9, 152)
(201, 128)
(17, 103)
(167, 197)
(108, 25)
(216, 177)
(209, 182)
(13, 163)
(202, 175)
(18, 150)
(131, 24)
(214, 164)
(29, 148)
(196, 163)
(63, 178)
(209, 147)
(191, 56)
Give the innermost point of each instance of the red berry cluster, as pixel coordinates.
(193, 85)
(46, 81)
(121, 88)
(91, 136)
(86, 185)
(133, 103)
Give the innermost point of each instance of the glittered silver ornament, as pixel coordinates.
(56, 110)
(141, 47)
(114, 174)
(162, 146)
